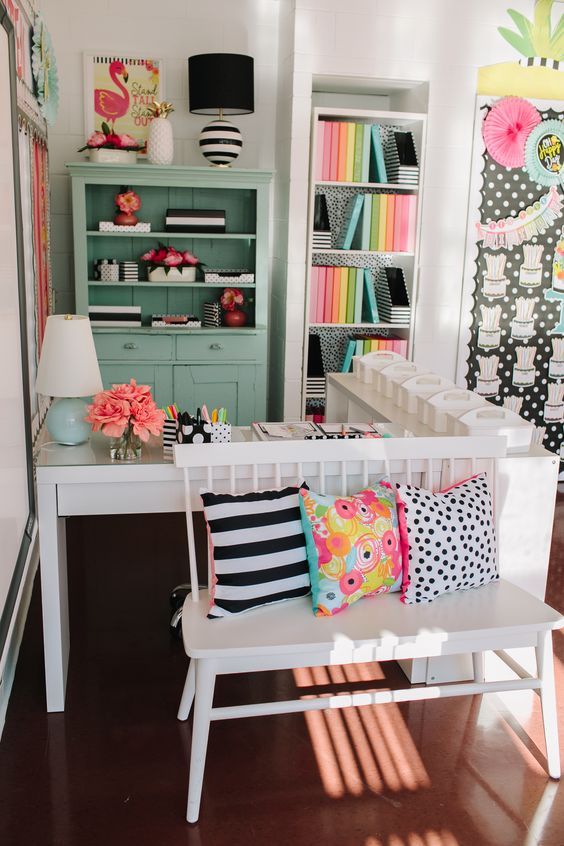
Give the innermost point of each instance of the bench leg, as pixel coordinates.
(205, 683)
(478, 665)
(545, 669)
(188, 692)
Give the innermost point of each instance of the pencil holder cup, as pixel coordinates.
(523, 377)
(555, 368)
(489, 339)
(522, 330)
(204, 433)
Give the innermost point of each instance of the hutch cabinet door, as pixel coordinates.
(230, 386)
(158, 377)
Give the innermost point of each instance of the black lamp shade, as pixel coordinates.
(221, 81)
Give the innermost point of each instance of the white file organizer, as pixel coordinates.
(434, 411)
(365, 365)
(406, 394)
(384, 380)
(494, 420)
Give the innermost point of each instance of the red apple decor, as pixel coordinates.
(233, 316)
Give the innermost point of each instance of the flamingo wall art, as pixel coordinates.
(112, 105)
(119, 91)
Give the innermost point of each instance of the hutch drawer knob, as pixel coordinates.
(130, 346)
(216, 346)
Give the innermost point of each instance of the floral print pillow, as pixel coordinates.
(353, 546)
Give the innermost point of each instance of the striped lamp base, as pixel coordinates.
(220, 142)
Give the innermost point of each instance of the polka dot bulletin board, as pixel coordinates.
(516, 348)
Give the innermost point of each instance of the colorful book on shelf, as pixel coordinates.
(343, 293)
(351, 286)
(412, 222)
(390, 213)
(319, 144)
(358, 294)
(342, 157)
(326, 164)
(348, 357)
(349, 167)
(321, 284)
(370, 298)
(335, 273)
(350, 222)
(375, 222)
(378, 168)
(366, 143)
(333, 163)
(328, 302)
(382, 222)
(358, 152)
(364, 242)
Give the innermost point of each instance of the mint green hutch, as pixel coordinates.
(218, 366)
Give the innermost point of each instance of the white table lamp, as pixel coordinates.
(68, 370)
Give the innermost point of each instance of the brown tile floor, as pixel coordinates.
(111, 771)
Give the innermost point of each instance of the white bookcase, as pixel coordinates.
(334, 335)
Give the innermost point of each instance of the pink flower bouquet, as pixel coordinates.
(168, 257)
(111, 141)
(127, 412)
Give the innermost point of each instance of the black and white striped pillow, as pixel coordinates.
(258, 549)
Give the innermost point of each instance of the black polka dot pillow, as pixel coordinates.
(448, 539)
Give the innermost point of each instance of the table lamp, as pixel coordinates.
(222, 84)
(68, 370)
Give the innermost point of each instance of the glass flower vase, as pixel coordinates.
(127, 447)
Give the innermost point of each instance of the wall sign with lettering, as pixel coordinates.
(544, 153)
(118, 90)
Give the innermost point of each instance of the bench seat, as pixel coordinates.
(376, 628)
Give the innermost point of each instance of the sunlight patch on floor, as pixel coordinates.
(360, 749)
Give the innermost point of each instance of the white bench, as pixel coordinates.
(497, 617)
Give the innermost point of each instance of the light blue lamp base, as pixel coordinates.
(65, 421)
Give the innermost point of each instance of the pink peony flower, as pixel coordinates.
(230, 298)
(109, 414)
(112, 140)
(97, 139)
(188, 258)
(149, 256)
(128, 201)
(173, 258)
(128, 392)
(146, 419)
(126, 141)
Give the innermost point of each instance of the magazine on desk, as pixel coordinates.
(306, 430)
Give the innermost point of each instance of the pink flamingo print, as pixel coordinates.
(111, 104)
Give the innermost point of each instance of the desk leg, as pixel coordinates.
(54, 596)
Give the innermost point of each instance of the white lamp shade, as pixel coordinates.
(68, 366)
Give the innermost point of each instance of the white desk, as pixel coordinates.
(82, 480)
(74, 481)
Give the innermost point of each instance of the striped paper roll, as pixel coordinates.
(220, 142)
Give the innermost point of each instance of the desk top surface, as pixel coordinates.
(96, 452)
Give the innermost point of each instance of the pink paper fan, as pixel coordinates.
(506, 129)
